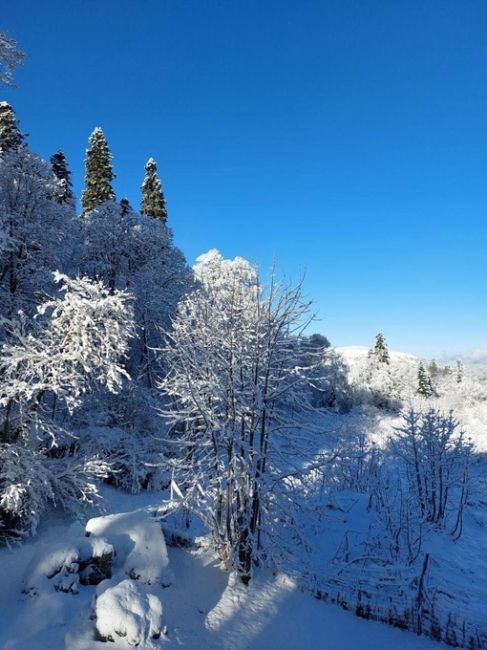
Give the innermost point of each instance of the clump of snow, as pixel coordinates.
(139, 541)
(127, 611)
(59, 565)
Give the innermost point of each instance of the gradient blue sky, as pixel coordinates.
(347, 139)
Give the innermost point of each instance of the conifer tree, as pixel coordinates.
(153, 201)
(10, 136)
(125, 206)
(425, 389)
(380, 350)
(60, 169)
(459, 372)
(99, 172)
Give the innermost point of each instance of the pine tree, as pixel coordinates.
(424, 382)
(380, 350)
(63, 176)
(10, 136)
(99, 172)
(153, 201)
(459, 372)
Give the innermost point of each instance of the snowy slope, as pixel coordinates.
(202, 609)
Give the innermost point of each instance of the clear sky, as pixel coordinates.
(347, 139)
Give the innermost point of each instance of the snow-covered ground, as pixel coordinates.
(202, 608)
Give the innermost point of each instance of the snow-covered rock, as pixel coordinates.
(127, 612)
(139, 543)
(64, 565)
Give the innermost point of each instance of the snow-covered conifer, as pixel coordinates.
(99, 173)
(153, 201)
(60, 169)
(10, 135)
(380, 350)
(425, 388)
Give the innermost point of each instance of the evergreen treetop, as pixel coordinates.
(99, 173)
(153, 201)
(63, 175)
(10, 135)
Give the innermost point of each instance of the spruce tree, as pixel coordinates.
(64, 193)
(380, 350)
(459, 372)
(425, 389)
(153, 201)
(10, 136)
(99, 172)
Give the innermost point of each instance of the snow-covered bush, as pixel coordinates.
(325, 370)
(355, 464)
(30, 481)
(436, 459)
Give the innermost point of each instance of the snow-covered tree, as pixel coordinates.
(77, 343)
(10, 135)
(153, 201)
(10, 58)
(425, 388)
(236, 388)
(99, 173)
(60, 169)
(37, 232)
(130, 251)
(86, 336)
(380, 351)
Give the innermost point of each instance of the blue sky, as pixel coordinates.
(347, 139)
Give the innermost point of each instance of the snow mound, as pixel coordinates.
(127, 613)
(63, 565)
(140, 545)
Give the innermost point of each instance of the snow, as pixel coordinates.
(127, 611)
(59, 563)
(140, 545)
(202, 609)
